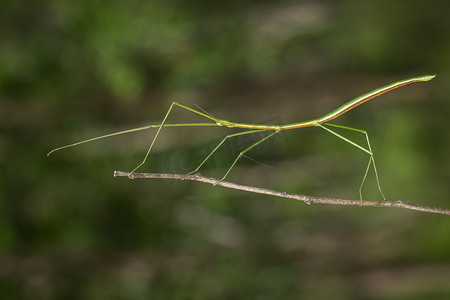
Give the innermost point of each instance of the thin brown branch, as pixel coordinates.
(307, 199)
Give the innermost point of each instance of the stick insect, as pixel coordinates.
(321, 122)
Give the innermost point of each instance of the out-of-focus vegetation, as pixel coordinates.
(73, 70)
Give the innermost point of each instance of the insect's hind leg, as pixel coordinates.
(162, 125)
(368, 151)
(220, 144)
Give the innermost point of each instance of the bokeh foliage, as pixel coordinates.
(73, 70)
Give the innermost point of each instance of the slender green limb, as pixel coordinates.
(196, 112)
(130, 131)
(220, 144)
(364, 180)
(372, 157)
(217, 123)
(244, 151)
(344, 138)
(368, 151)
(153, 141)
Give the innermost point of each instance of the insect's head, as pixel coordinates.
(225, 123)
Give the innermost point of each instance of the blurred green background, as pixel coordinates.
(77, 69)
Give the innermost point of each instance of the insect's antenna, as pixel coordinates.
(204, 111)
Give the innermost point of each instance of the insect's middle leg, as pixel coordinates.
(220, 144)
(163, 124)
(244, 151)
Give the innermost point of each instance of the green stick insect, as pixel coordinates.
(321, 122)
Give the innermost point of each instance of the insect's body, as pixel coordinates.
(318, 122)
